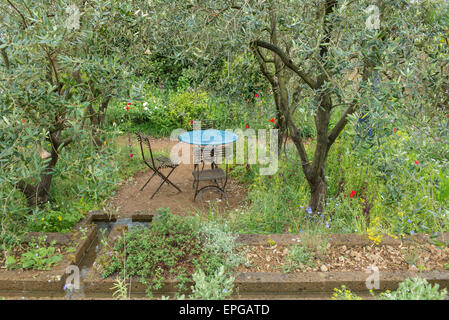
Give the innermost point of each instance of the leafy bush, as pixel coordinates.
(215, 287)
(39, 256)
(170, 247)
(55, 220)
(415, 289)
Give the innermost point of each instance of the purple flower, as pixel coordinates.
(309, 210)
(327, 225)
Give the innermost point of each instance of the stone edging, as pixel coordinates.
(248, 283)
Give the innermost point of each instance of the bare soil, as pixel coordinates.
(129, 198)
(424, 257)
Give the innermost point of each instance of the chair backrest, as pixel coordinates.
(205, 123)
(212, 154)
(143, 139)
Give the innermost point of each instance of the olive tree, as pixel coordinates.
(62, 61)
(340, 58)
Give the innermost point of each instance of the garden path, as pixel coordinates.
(129, 199)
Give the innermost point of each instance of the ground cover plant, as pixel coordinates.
(409, 289)
(177, 248)
(38, 255)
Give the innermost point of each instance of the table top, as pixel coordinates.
(208, 137)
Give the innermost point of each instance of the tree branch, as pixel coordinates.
(5, 56)
(20, 13)
(287, 61)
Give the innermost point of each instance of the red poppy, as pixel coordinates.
(272, 120)
(23, 120)
(191, 122)
(129, 103)
(256, 95)
(447, 116)
(416, 161)
(127, 108)
(395, 129)
(131, 155)
(247, 126)
(352, 194)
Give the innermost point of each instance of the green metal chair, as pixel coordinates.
(156, 164)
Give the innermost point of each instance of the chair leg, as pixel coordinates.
(196, 189)
(165, 178)
(154, 173)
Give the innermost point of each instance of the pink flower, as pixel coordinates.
(352, 194)
(417, 162)
(131, 155)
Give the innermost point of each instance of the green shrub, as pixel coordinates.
(215, 287)
(415, 289)
(55, 220)
(170, 247)
(39, 256)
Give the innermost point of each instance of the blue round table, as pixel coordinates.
(208, 137)
(202, 139)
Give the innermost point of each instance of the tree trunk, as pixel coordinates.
(318, 192)
(38, 195)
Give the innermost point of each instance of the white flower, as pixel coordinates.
(146, 108)
(145, 104)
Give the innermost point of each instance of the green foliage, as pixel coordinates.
(415, 289)
(159, 114)
(215, 287)
(169, 248)
(55, 220)
(120, 289)
(396, 194)
(39, 256)
(221, 242)
(298, 257)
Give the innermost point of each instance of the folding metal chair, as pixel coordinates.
(218, 176)
(156, 164)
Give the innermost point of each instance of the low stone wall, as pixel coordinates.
(247, 284)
